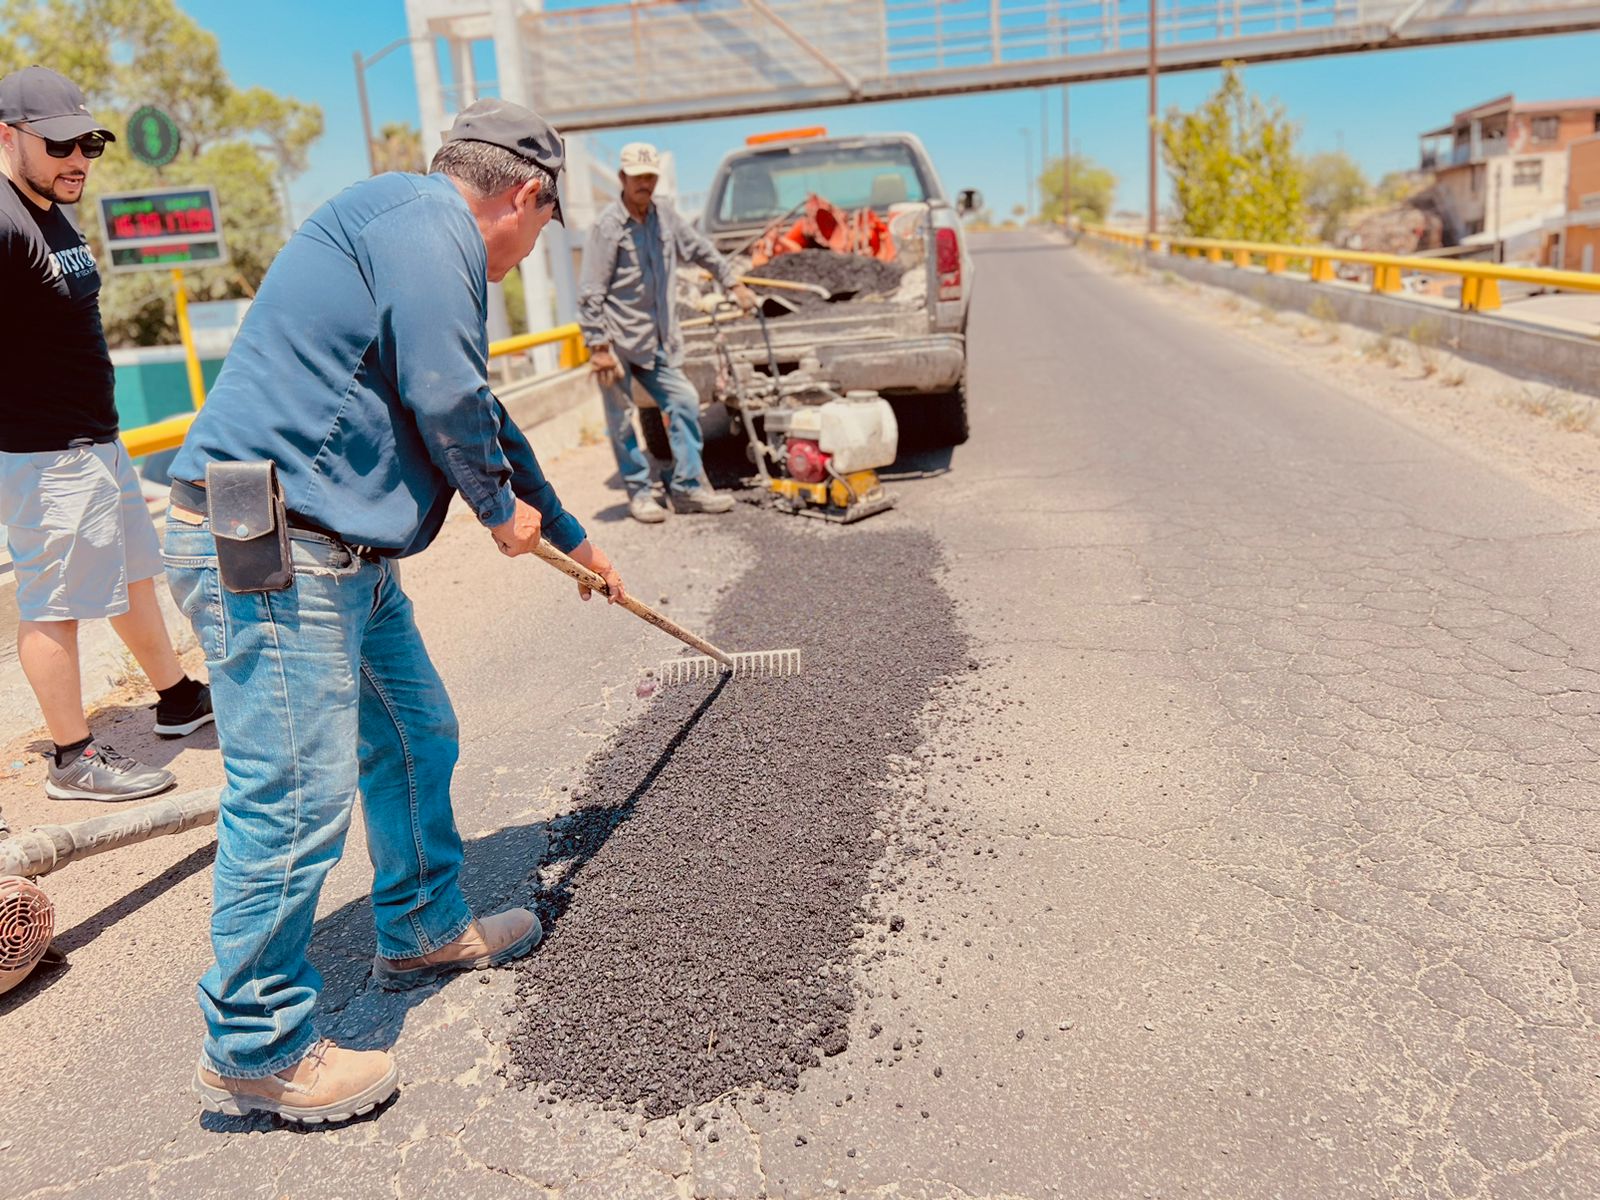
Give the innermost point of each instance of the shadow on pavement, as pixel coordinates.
(47, 974)
(612, 514)
(84, 932)
(920, 464)
(502, 869)
(128, 728)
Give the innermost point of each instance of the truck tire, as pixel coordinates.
(655, 432)
(932, 422)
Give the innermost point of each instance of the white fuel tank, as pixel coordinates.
(859, 431)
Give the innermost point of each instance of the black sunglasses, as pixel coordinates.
(92, 144)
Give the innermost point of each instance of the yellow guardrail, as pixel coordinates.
(1480, 281)
(169, 434)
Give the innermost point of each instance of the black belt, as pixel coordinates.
(192, 496)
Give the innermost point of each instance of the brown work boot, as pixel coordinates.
(491, 942)
(328, 1084)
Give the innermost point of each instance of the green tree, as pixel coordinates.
(1399, 186)
(1093, 189)
(1335, 187)
(1233, 167)
(398, 148)
(247, 143)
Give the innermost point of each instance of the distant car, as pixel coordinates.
(912, 350)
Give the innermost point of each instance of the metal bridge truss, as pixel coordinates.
(654, 61)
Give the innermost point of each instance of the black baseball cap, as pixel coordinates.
(51, 104)
(519, 130)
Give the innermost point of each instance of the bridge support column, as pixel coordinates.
(549, 284)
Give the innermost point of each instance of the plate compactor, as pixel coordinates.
(817, 452)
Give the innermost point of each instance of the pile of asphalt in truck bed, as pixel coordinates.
(834, 271)
(702, 936)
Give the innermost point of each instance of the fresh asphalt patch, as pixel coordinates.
(706, 900)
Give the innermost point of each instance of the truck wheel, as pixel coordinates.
(932, 422)
(655, 432)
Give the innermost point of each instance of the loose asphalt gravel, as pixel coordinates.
(706, 897)
(834, 271)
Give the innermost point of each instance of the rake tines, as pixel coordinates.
(749, 665)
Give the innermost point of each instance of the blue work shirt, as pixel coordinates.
(361, 370)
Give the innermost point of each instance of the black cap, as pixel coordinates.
(519, 130)
(51, 104)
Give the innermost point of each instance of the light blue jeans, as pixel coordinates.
(670, 388)
(321, 691)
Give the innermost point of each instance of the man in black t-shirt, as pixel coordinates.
(81, 540)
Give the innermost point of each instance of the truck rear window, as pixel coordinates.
(769, 185)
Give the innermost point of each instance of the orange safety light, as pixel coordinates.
(786, 135)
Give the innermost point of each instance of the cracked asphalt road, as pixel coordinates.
(1258, 857)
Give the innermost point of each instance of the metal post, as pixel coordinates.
(1499, 178)
(1044, 144)
(366, 113)
(191, 358)
(366, 109)
(1150, 164)
(1027, 172)
(1066, 160)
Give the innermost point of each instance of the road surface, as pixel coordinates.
(1257, 857)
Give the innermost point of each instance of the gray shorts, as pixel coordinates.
(78, 530)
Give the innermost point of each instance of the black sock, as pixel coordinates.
(185, 692)
(63, 753)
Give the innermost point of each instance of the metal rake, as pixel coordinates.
(710, 663)
(751, 663)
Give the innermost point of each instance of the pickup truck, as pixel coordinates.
(910, 347)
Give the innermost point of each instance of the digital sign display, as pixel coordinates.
(174, 227)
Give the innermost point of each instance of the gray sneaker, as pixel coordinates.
(100, 773)
(642, 506)
(701, 500)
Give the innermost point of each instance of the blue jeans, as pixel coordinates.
(322, 690)
(670, 388)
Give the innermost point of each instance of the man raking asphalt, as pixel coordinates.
(352, 408)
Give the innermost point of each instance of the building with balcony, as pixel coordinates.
(1501, 170)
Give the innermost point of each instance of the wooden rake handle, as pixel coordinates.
(790, 285)
(638, 608)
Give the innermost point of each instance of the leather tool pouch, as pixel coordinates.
(248, 522)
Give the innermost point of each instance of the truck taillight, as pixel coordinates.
(948, 254)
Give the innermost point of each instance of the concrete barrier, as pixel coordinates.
(558, 412)
(1500, 341)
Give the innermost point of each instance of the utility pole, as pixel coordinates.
(1066, 161)
(1150, 165)
(1044, 143)
(1027, 171)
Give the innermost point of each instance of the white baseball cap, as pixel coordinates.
(641, 158)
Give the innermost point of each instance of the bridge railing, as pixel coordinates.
(169, 434)
(1480, 281)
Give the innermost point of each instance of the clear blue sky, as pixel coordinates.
(1373, 105)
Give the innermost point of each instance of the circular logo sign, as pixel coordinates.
(153, 137)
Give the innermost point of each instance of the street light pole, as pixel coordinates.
(366, 113)
(361, 91)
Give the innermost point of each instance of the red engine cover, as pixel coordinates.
(807, 462)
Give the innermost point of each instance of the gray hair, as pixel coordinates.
(488, 169)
